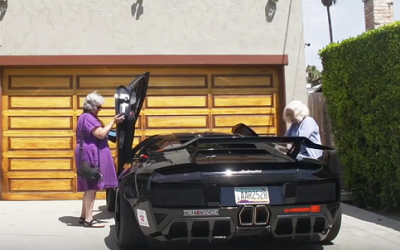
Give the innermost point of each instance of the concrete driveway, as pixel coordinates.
(53, 225)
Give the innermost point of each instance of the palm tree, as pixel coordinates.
(312, 73)
(328, 4)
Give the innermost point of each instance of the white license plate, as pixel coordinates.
(251, 195)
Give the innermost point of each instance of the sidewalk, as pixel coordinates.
(42, 225)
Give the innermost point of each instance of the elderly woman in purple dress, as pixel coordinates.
(95, 146)
(297, 114)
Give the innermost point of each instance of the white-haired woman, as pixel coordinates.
(301, 124)
(94, 134)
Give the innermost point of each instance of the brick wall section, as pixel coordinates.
(378, 13)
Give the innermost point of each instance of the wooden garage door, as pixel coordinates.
(41, 108)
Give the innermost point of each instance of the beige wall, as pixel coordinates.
(86, 27)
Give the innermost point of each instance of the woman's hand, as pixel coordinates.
(119, 118)
(102, 133)
(281, 148)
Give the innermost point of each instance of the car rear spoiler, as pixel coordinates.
(292, 153)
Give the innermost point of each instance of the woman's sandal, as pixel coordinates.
(93, 223)
(82, 220)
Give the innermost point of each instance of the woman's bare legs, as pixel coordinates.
(88, 204)
(83, 214)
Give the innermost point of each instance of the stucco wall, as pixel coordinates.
(72, 27)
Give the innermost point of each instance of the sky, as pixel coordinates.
(347, 21)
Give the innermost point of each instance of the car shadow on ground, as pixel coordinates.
(371, 217)
(255, 244)
(101, 214)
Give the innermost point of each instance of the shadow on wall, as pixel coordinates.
(137, 8)
(270, 10)
(3, 8)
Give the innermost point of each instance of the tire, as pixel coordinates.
(333, 233)
(127, 230)
(110, 199)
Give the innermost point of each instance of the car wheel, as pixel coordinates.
(333, 233)
(127, 230)
(110, 199)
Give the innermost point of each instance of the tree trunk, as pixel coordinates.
(330, 23)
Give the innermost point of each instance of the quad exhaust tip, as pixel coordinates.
(261, 215)
(246, 216)
(254, 215)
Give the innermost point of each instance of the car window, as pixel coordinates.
(145, 146)
(170, 141)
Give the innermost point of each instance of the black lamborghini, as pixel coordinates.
(208, 186)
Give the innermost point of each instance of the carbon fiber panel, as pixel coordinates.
(316, 193)
(175, 195)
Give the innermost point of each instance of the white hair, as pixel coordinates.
(92, 101)
(295, 111)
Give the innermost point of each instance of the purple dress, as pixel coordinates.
(86, 123)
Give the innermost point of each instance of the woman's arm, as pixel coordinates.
(101, 133)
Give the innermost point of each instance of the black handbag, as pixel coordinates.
(87, 171)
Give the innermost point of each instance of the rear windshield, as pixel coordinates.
(171, 141)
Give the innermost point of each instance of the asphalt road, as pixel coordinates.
(53, 225)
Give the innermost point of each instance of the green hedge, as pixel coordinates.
(361, 83)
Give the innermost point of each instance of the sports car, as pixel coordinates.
(212, 186)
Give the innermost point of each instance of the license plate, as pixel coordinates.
(251, 195)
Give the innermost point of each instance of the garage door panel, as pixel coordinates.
(177, 81)
(40, 82)
(103, 81)
(39, 154)
(178, 121)
(176, 101)
(243, 91)
(254, 120)
(40, 143)
(103, 92)
(29, 164)
(38, 133)
(36, 113)
(38, 185)
(177, 112)
(40, 102)
(155, 82)
(40, 92)
(234, 101)
(177, 91)
(41, 107)
(107, 119)
(41, 175)
(189, 111)
(150, 132)
(40, 122)
(241, 81)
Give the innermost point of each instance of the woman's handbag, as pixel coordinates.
(86, 170)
